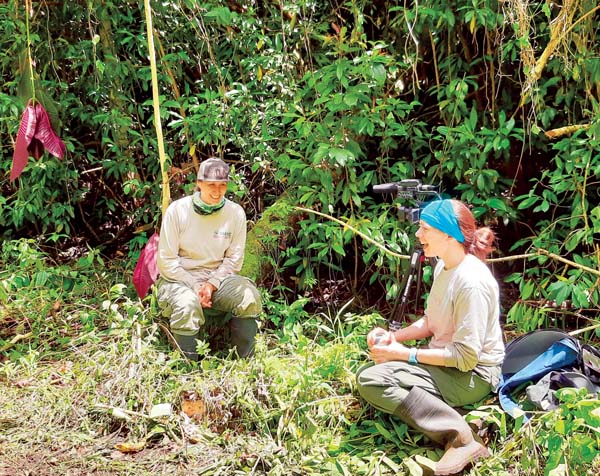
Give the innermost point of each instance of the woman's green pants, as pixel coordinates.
(385, 386)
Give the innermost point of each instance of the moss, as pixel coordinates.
(264, 237)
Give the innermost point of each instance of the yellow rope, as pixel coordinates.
(538, 252)
(360, 233)
(166, 193)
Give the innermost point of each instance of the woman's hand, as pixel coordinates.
(379, 336)
(386, 352)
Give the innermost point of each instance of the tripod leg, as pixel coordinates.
(399, 310)
(418, 287)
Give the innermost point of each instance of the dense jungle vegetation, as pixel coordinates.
(313, 103)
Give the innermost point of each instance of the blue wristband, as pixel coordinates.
(412, 356)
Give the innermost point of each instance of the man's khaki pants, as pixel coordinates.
(237, 298)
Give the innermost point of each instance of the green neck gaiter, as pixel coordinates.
(202, 208)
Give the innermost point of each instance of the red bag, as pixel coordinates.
(145, 273)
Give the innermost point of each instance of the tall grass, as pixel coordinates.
(89, 384)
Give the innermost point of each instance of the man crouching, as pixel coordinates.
(200, 253)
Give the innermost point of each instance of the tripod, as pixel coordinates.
(415, 271)
(408, 189)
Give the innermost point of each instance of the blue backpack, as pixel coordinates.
(531, 357)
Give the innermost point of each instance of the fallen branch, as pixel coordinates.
(120, 412)
(585, 329)
(568, 261)
(567, 130)
(14, 340)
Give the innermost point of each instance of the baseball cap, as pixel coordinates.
(214, 170)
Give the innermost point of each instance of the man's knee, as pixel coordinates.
(250, 305)
(187, 319)
(378, 392)
(240, 295)
(181, 306)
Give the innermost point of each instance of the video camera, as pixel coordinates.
(409, 189)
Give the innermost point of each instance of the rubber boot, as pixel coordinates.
(442, 424)
(187, 345)
(243, 330)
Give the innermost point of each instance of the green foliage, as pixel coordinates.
(566, 201)
(318, 101)
(113, 389)
(264, 239)
(32, 286)
(559, 442)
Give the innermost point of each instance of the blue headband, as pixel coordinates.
(440, 214)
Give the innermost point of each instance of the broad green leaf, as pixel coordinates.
(383, 431)
(379, 73)
(496, 204)
(528, 202)
(340, 156)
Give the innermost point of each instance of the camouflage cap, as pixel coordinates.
(213, 170)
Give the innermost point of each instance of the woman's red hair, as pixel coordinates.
(478, 241)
